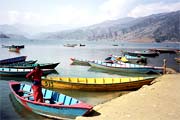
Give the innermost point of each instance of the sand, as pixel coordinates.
(159, 101)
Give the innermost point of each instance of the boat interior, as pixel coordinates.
(50, 97)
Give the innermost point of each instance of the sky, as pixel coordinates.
(79, 12)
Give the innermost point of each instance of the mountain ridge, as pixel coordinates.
(154, 28)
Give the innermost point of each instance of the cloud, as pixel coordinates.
(153, 8)
(113, 9)
(13, 16)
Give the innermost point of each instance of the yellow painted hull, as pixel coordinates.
(97, 84)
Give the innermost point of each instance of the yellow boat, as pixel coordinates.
(96, 84)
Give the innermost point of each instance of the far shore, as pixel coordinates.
(158, 101)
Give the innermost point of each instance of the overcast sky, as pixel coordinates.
(79, 12)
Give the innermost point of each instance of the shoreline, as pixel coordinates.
(160, 100)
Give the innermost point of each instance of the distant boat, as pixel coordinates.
(82, 45)
(56, 105)
(177, 60)
(12, 49)
(115, 45)
(164, 50)
(126, 67)
(126, 59)
(70, 45)
(96, 84)
(76, 61)
(145, 53)
(13, 60)
(13, 46)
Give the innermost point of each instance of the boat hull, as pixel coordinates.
(97, 84)
(13, 60)
(127, 69)
(145, 54)
(52, 110)
(31, 66)
(21, 72)
(80, 62)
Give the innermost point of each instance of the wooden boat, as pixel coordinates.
(178, 52)
(56, 105)
(70, 45)
(11, 49)
(13, 60)
(115, 45)
(31, 66)
(24, 63)
(112, 59)
(21, 72)
(164, 50)
(96, 84)
(126, 59)
(13, 46)
(126, 67)
(177, 60)
(76, 61)
(82, 45)
(145, 53)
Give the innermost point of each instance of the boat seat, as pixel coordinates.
(55, 96)
(61, 98)
(27, 88)
(74, 101)
(48, 94)
(68, 100)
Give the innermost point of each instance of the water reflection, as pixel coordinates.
(23, 112)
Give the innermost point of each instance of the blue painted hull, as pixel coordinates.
(69, 108)
(57, 112)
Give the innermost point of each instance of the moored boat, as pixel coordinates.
(164, 50)
(127, 59)
(177, 60)
(70, 45)
(13, 46)
(145, 53)
(96, 84)
(31, 66)
(76, 61)
(11, 49)
(13, 60)
(21, 72)
(126, 67)
(56, 105)
(23, 63)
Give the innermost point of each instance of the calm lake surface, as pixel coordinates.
(53, 51)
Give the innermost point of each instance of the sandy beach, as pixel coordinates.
(158, 101)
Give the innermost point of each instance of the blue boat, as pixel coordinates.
(126, 67)
(12, 60)
(21, 72)
(56, 105)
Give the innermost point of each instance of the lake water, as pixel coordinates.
(54, 51)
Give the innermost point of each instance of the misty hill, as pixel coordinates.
(9, 31)
(157, 27)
